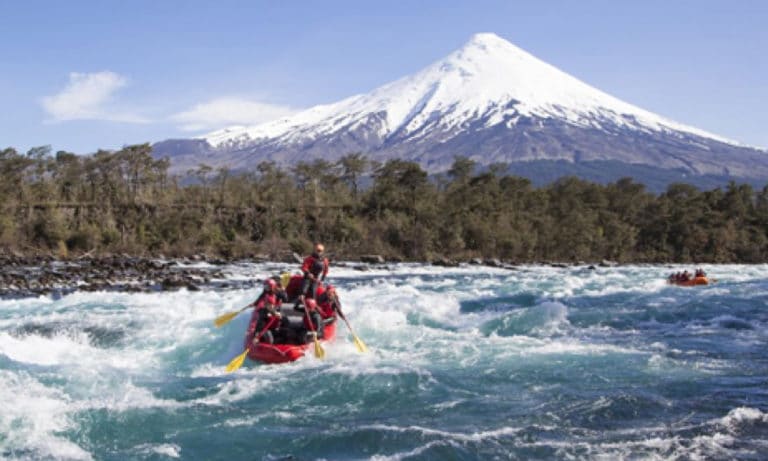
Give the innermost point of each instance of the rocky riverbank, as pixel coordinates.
(22, 276)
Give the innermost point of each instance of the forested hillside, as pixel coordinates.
(126, 202)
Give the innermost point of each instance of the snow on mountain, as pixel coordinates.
(489, 99)
(480, 78)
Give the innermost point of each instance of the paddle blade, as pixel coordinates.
(360, 344)
(285, 279)
(237, 362)
(225, 319)
(319, 351)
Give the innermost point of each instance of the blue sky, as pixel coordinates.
(98, 74)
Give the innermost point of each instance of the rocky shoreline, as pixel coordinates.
(22, 276)
(25, 276)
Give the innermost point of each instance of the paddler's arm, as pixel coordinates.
(337, 306)
(282, 296)
(272, 309)
(258, 299)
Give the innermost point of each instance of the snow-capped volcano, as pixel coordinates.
(489, 100)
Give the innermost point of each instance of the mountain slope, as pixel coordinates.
(489, 100)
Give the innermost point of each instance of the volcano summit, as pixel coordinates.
(490, 101)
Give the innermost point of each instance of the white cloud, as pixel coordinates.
(87, 97)
(223, 112)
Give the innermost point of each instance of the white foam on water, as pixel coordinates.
(408, 454)
(260, 381)
(457, 436)
(169, 450)
(122, 396)
(32, 415)
(552, 316)
(719, 439)
(410, 317)
(38, 350)
(257, 419)
(741, 416)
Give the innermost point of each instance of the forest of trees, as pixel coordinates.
(127, 202)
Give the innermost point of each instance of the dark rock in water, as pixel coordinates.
(476, 262)
(157, 265)
(592, 268)
(34, 276)
(372, 259)
(172, 282)
(559, 265)
(493, 262)
(445, 262)
(734, 323)
(99, 336)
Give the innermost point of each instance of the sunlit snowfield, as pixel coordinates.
(467, 363)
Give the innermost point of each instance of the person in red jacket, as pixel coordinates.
(328, 302)
(314, 315)
(315, 269)
(267, 308)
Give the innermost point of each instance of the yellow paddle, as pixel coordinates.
(319, 351)
(226, 318)
(361, 347)
(237, 362)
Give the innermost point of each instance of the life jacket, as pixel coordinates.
(326, 310)
(267, 299)
(264, 300)
(315, 265)
(325, 304)
(311, 306)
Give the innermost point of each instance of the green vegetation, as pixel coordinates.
(126, 202)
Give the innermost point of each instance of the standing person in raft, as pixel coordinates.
(267, 310)
(315, 269)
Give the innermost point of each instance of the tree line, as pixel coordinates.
(126, 201)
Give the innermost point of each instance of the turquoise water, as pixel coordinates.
(468, 363)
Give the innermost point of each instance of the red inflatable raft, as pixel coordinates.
(285, 352)
(692, 282)
(290, 339)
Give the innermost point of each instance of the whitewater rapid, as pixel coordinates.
(465, 363)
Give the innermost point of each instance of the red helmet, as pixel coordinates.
(310, 303)
(271, 284)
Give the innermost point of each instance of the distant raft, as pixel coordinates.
(690, 283)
